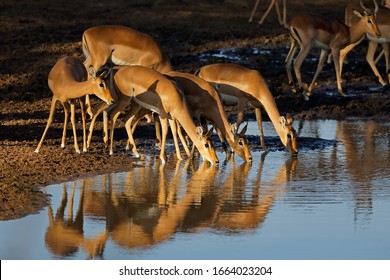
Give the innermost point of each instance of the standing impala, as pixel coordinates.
(105, 46)
(108, 45)
(273, 3)
(204, 101)
(383, 22)
(68, 80)
(241, 85)
(308, 31)
(151, 90)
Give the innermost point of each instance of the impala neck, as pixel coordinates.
(272, 112)
(79, 89)
(180, 112)
(356, 32)
(224, 126)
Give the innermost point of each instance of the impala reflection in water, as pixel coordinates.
(331, 202)
(158, 201)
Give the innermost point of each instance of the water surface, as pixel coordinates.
(329, 203)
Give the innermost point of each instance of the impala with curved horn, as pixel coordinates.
(204, 101)
(308, 31)
(243, 86)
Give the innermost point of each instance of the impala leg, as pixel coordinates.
(240, 108)
(298, 63)
(284, 13)
(260, 126)
(321, 61)
(372, 46)
(49, 122)
(114, 116)
(254, 10)
(99, 110)
(182, 139)
(336, 62)
(289, 59)
(278, 11)
(73, 121)
(380, 54)
(66, 116)
(267, 12)
(173, 125)
(345, 51)
(157, 125)
(88, 106)
(131, 115)
(83, 111)
(385, 47)
(164, 132)
(105, 127)
(128, 121)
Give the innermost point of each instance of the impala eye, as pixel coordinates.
(207, 145)
(101, 85)
(240, 143)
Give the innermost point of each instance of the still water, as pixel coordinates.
(331, 202)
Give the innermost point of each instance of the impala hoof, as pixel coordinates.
(342, 94)
(306, 95)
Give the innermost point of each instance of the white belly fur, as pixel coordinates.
(147, 106)
(118, 61)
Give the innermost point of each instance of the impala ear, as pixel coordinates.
(283, 121)
(243, 130)
(92, 72)
(106, 72)
(357, 13)
(208, 134)
(199, 131)
(289, 119)
(233, 128)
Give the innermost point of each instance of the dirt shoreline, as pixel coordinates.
(34, 35)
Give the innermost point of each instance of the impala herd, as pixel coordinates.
(130, 73)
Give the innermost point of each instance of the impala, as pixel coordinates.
(241, 85)
(308, 31)
(65, 233)
(249, 213)
(68, 80)
(107, 45)
(204, 101)
(383, 22)
(273, 3)
(136, 113)
(151, 90)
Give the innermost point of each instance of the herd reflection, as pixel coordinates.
(150, 204)
(155, 201)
